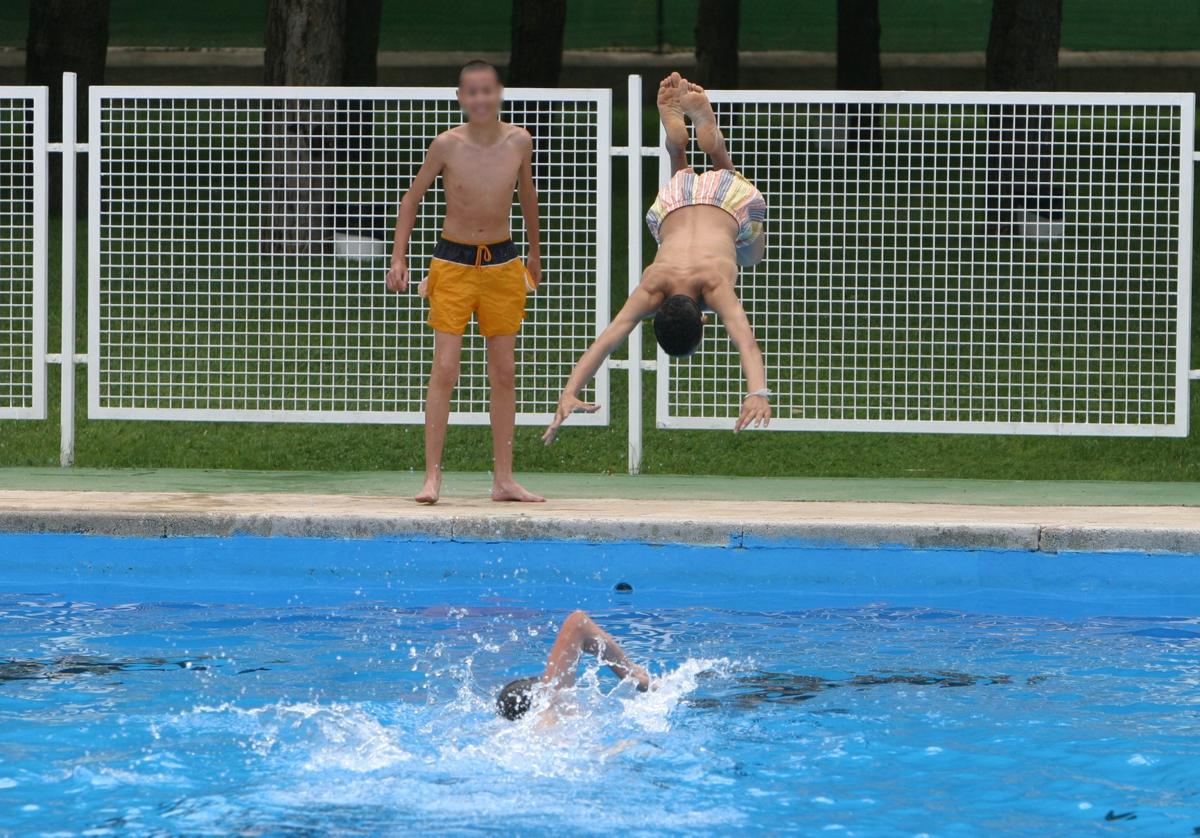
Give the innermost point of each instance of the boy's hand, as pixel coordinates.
(756, 411)
(534, 265)
(397, 276)
(566, 406)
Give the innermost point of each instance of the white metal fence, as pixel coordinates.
(238, 242)
(1007, 263)
(986, 263)
(23, 251)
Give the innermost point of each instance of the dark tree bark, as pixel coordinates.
(66, 36)
(717, 44)
(1022, 52)
(535, 59)
(305, 46)
(858, 45)
(306, 42)
(362, 43)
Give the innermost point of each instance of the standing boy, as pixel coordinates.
(475, 268)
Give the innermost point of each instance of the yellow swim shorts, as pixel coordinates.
(487, 280)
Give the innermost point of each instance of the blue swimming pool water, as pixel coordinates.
(253, 686)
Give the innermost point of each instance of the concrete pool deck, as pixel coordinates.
(1018, 515)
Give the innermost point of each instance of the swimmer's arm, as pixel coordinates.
(640, 303)
(579, 633)
(527, 194)
(406, 218)
(756, 410)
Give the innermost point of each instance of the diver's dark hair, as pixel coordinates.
(479, 64)
(678, 325)
(516, 698)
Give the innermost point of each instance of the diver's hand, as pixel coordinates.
(756, 412)
(566, 406)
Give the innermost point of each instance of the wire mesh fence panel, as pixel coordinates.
(23, 247)
(1013, 263)
(239, 239)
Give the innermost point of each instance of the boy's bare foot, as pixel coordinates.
(698, 109)
(511, 490)
(670, 112)
(431, 491)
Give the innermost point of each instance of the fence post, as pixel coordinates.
(66, 451)
(634, 143)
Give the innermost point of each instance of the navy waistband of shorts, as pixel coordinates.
(479, 255)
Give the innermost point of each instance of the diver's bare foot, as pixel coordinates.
(670, 112)
(511, 490)
(431, 491)
(699, 110)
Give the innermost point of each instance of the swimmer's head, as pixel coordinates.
(516, 698)
(679, 325)
(480, 90)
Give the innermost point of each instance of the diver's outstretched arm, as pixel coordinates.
(640, 303)
(579, 633)
(756, 408)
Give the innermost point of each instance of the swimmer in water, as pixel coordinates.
(579, 634)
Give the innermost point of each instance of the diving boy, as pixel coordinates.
(476, 269)
(578, 634)
(706, 226)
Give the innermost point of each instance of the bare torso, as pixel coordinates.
(479, 176)
(696, 254)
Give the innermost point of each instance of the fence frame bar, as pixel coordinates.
(1189, 160)
(39, 97)
(601, 97)
(66, 445)
(634, 367)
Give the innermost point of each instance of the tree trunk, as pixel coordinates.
(306, 42)
(362, 43)
(1022, 52)
(855, 123)
(717, 44)
(66, 36)
(305, 46)
(858, 45)
(356, 121)
(535, 59)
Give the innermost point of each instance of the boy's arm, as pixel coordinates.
(639, 304)
(756, 409)
(527, 194)
(397, 276)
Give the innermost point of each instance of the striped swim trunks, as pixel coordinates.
(722, 188)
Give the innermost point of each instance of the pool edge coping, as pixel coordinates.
(1048, 537)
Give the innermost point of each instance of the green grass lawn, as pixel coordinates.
(483, 25)
(588, 450)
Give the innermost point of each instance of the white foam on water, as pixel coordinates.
(456, 761)
(339, 736)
